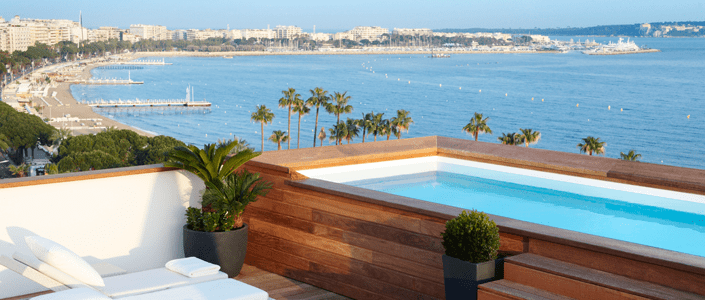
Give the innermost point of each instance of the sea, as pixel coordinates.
(653, 103)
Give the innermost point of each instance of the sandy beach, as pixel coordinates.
(89, 122)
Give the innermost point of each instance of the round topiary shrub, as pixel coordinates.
(471, 237)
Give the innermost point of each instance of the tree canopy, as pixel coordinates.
(112, 149)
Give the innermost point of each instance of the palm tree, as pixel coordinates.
(352, 129)
(529, 137)
(338, 133)
(301, 108)
(341, 105)
(19, 171)
(278, 137)
(290, 97)
(590, 145)
(322, 135)
(512, 138)
(263, 115)
(368, 125)
(377, 121)
(401, 122)
(631, 156)
(477, 125)
(318, 97)
(386, 128)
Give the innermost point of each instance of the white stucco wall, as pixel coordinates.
(133, 222)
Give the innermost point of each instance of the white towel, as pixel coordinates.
(192, 267)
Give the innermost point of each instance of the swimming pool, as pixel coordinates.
(653, 217)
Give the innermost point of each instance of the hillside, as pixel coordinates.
(658, 29)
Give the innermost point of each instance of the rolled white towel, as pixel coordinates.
(192, 267)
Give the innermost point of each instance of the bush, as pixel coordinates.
(471, 237)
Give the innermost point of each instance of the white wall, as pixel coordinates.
(133, 222)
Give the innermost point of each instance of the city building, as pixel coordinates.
(258, 34)
(371, 33)
(178, 34)
(195, 34)
(287, 32)
(412, 31)
(320, 37)
(153, 32)
(18, 34)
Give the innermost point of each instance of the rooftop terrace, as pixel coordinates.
(354, 242)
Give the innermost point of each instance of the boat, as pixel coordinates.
(228, 57)
(439, 55)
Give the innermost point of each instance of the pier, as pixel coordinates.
(146, 103)
(145, 63)
(136, 103)
(121, 67)
(106, 81)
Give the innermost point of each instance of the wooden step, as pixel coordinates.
(583, 283)
(508, 290)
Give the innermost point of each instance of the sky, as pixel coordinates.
(339, 15)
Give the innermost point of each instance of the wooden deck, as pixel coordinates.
(282, 288)
(278, 287)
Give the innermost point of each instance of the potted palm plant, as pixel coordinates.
(216, 232)
(471, 242)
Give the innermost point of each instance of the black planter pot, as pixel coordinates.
(226, 249)
(461, 278)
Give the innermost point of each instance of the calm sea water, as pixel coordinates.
(649, 96)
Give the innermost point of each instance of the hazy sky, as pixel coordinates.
(331, 15)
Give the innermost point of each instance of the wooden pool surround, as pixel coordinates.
(371, 245)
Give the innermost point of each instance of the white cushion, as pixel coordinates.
(149, 281)
(64, 259)
(74, 294)
(48, 270)
(224, 289)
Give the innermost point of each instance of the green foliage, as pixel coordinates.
(471, 237)
(477, 125)
(230, 199)
(211, 163)
(21, 130)
(50, 169)
(86, 161)
(208, 221)
(115, 148)
(631, 156)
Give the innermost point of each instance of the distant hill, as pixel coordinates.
(658, 29)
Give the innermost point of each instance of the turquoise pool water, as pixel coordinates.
(660, 222)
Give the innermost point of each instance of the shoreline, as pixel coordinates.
(84, 112)
(265, 53)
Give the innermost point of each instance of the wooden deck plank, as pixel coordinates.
(283, 288)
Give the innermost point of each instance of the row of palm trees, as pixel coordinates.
(370, 123)
(337, 104)
(590, 145)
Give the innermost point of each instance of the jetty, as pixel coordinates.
(120, 67)
(144, 62)
(107, 81)
(187, 102)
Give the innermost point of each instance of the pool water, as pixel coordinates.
(651, 220)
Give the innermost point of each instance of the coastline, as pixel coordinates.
(84, 112)
(265, 53)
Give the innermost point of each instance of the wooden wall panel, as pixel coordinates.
(639, 270)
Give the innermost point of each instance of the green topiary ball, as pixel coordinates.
(471, 237)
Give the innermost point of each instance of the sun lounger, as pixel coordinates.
(115, 286)
(223, 289)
